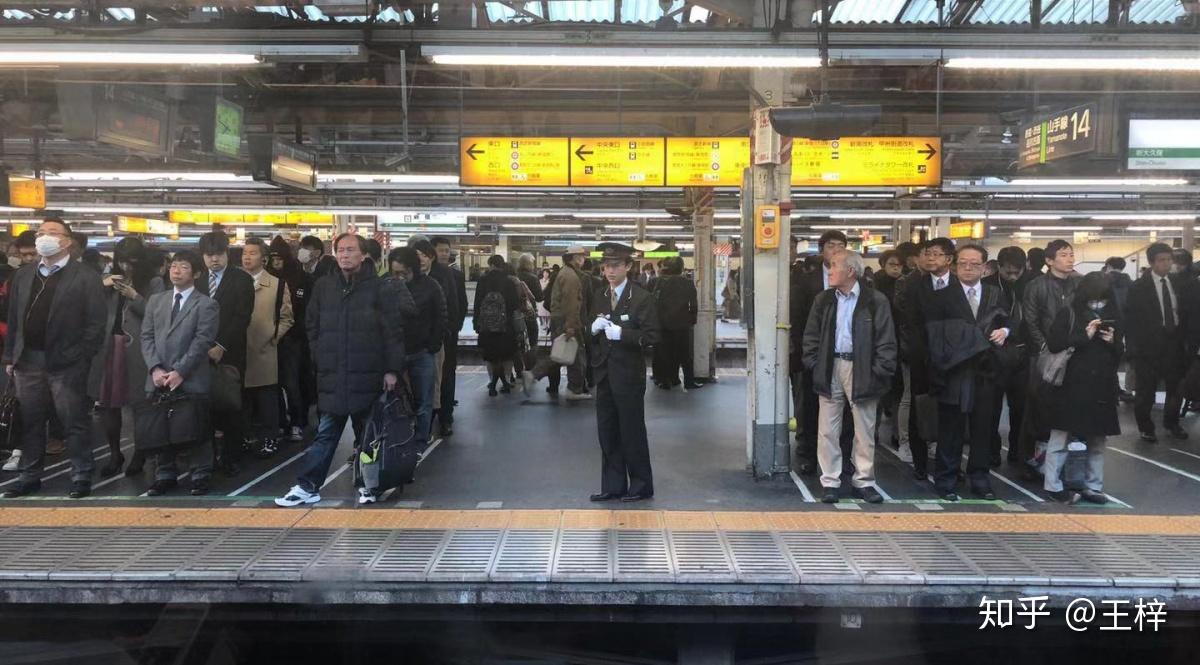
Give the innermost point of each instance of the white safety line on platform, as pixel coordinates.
(100, 457)
(1184, 452)
(1168, 467)
(1006, 481)
(333, 476)
(808, 496)
(886, 497)
(267, 474)
(63, 463)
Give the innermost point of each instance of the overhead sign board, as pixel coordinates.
(868, 161)
(491, 161)
(1164, 145)
(253, 218)
(414, 221)
(968, 229)
(1064, 134)
(618, 162)
(227, 132)
(707, 162)
(21, 192)
(157, 227)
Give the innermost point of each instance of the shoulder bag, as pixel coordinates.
(1052, 367)
(169, 419)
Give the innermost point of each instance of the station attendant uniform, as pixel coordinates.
(619, 368)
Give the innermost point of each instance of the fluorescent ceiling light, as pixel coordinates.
(138, 176)
(881, 215)
(1182, 63)
(1062, 228)
(1098, 182)
(1148, 217)
(395, 178)
(541, 226)
(727, 228)
(140, 56)
(727, 215)
(555, 56)
(604, 214)
(1159, 228)
(861, 227)
(649, 227)
(1044, 216)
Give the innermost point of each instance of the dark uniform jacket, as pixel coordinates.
(75, 328)
(356, 335)
(235, 297)
(676, 297)
(957, 340)
(1144, 325)
(914, 299)
(874, 337)
(622, 361)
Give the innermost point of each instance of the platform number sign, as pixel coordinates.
(1064, 134)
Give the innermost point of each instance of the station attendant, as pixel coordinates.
(625, 321)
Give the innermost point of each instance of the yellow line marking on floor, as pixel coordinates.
(393, 518)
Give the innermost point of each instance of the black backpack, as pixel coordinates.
(493, 317)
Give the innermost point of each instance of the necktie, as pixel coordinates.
(178, 305)
(973, 298)
(1168, 308)
(939, 284)
(612, 300)
(214, 279)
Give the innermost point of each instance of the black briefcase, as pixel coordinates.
(169, 419)
(10, 419)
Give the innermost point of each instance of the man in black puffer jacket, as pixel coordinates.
(356, 333)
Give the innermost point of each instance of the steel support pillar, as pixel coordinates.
(769, 395)
(1189, 235)
(704, 341)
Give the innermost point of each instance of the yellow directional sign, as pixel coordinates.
(497, 161)
(868, 161)
(617, 162)
(707, 162)
(156, 227)
(26, 192)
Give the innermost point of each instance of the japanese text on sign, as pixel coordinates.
(617, 162)
(880, 161)
(514, 162)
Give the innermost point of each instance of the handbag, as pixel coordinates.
(226, 390)
(10, 419)
(1052, 367)
(563, 350)
(386, 456)
(169, 419)
(1074, 471)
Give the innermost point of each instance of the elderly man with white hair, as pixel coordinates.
(850, 347)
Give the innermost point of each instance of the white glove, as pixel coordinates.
(613, 331)
(600, 324)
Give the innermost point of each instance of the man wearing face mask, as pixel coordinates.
(312, 256)
(48, 352)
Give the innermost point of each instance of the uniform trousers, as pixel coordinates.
(953, 429)
(624, 448)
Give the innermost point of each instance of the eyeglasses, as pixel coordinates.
(970, 264)
(935, 255)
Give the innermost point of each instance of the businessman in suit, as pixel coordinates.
(233, 290)
(966, 321)
(56, 317)
(177, 332)
(625, 321)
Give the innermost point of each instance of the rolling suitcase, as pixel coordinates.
(386, 454)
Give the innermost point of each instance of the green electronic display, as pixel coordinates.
(227, 137)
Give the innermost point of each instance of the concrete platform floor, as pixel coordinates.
(507, 453)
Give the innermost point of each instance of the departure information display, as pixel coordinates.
(868, 161)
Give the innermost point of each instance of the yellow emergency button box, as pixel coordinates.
(766, 227)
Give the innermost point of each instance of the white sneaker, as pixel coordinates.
(297, 434)
(14, 462)
(366, 496)
(905, 453)
(297, 496)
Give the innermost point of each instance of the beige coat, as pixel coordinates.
(262, 337)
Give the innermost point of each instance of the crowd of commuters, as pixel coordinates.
(935, 344)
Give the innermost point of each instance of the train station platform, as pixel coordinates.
(593, 557)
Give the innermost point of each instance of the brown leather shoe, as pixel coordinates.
(55, 447)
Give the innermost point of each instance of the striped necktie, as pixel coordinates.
(213, 280)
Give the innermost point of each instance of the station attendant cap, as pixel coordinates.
(615, 251)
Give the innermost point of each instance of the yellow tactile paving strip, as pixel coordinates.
(377, 518)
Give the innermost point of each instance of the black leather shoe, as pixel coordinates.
(1094, 497)
(830, 495)
(445, 430)
(1030, 474)
(604, 496)
(694, 386)
(950, 496)
(161, 487)
(22, 489)
(115, 464)
(80, 489)
(1178, 433)
(984, 493)
(1148, 437)
(630, 498)
(200, 487)
(1065, 496)
(870, 495)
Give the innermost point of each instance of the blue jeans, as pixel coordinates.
(314, 466)
(420, 371)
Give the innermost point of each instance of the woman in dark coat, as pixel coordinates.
(1086, 404)
(497, 336)
(119, 373)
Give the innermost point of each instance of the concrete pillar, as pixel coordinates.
(502, 246)
(1189, 234)
(704, 342)
(939, 227)
(769, 394)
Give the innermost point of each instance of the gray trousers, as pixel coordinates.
(62, 392)
(1056, 457)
